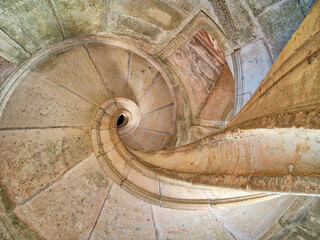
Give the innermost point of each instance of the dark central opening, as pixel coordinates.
(120, 120)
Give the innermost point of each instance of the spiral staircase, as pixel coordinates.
(125, 133)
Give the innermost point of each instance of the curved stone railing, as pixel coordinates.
(282, 160)
(245, 161)
(152, 180)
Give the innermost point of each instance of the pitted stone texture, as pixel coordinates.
(245, 29)
(31, 159)
(185, 224)
(74, 70)
(30, 23)
(155, 12)
(69, 208)
(80, 16)
(142, 75)
(6, 68)
(309, 226)
(11, 50)
(138, 31)
(124, 217)
(112, 63)
(39, 102)
(247, 222)
(279, 23)
(256, 62)
(156, 97)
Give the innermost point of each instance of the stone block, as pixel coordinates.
(74, 70)
(31, 159)
(188, 224)
(142, 74)
(155, 12)
(256, 63)
(124, 215)
(39, 102)
(30, 23)
(279, 23)
(157, 97)
(113, 63)
(80, 17)
(69, 208)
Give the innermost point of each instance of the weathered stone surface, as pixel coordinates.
(244, 27)
(134, 27)
(186, 224)
(182, 6)
(256, 63)
(305, 78)
(188, 133)
(112, 63)
(124, 217)
(305, 5)
(252, 225)
(161, 120)
(244, 153)
(258, 6)
(222, 12)
(197, 63)
(279, 23)
(157, 97)
(219, 103)
(6, 68)
(10, 50)
(30, 23)
(4, 232)
(149, 139)
(69, 208)
(80, 17)
(309, 226)
(74, 70)
(39, 102)
(142, 75)
(31, 159)
(155, 12)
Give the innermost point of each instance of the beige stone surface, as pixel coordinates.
(32, 159)
(80, 17)
(247, 222)
(155, 12)
(106, 142)
(74, 70)
(149, 140)
(69, 208)
(39, 102)
(161, 120)
(129, 141)
(113, 64)
(187, 224)
(220, 100)
(157, 97)
(142, 75)
(124, 217)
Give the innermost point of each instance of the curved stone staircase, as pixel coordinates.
(90, 147)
